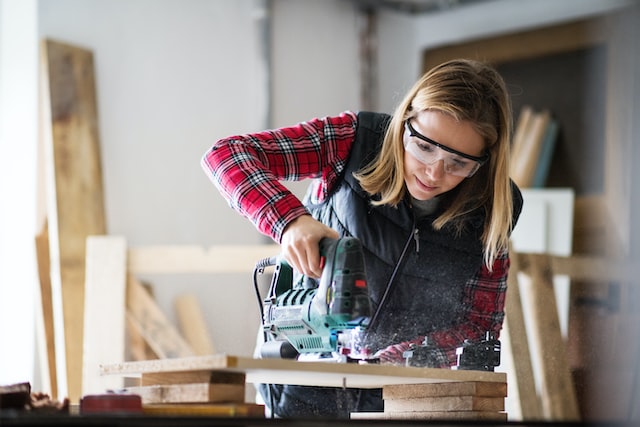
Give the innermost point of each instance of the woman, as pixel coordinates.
(426, 191)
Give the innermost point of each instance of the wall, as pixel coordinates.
(171, 79)
(404, 38)
(18, 136)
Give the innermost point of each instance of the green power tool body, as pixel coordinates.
(328, 318)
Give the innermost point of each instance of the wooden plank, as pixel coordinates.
(193, 325)
(445, 403)
(539, 42)
(518, 344)
(245, 410)
(104, 316)
(196, 259)
(280, 371)
(523, 128)
(432, 415)
(475, 388)
(523, 166)
(559, 402)
(190, 393)
(590, 268)
(152, 323)
(44, 268)
(139, 349)
(75, 192)
(191, 377)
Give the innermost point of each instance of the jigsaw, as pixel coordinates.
(316, 321)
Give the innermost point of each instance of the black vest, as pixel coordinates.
(426, 292)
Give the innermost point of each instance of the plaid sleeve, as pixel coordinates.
(247, 169)
(483, 301)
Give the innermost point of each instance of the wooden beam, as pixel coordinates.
(590, 268)
(517, 342)
(558, 394)
(196, 259)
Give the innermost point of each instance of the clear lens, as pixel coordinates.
(429, 154)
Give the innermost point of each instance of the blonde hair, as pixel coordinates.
(468, 91)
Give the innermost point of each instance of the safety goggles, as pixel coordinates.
(455, 162)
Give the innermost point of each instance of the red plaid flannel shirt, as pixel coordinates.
(247, 169)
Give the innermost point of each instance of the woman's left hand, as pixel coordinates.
(393, 354)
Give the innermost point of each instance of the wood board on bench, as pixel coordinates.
(281, 371)
(471, 400)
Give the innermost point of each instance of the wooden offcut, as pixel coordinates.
(75, 191)
(448, 416)
(191, 377)
(454, 400)
(445, 404)
(243, 410)
(473, 388)
(190, 393)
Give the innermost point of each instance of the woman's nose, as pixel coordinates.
(435, 170)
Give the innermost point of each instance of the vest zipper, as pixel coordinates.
(392, 279)
(416, 237)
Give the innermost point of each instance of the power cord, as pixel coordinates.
(259, 269)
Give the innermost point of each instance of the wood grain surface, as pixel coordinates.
(77, 203)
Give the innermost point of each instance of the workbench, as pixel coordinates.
(279, 371)
(420, 393)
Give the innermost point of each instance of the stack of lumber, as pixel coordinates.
(534, 141)
(194, 383)
(202, 392)
(475, 400)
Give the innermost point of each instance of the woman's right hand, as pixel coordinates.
(301, 244)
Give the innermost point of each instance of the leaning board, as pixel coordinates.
(75, 199)
(281, 371)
